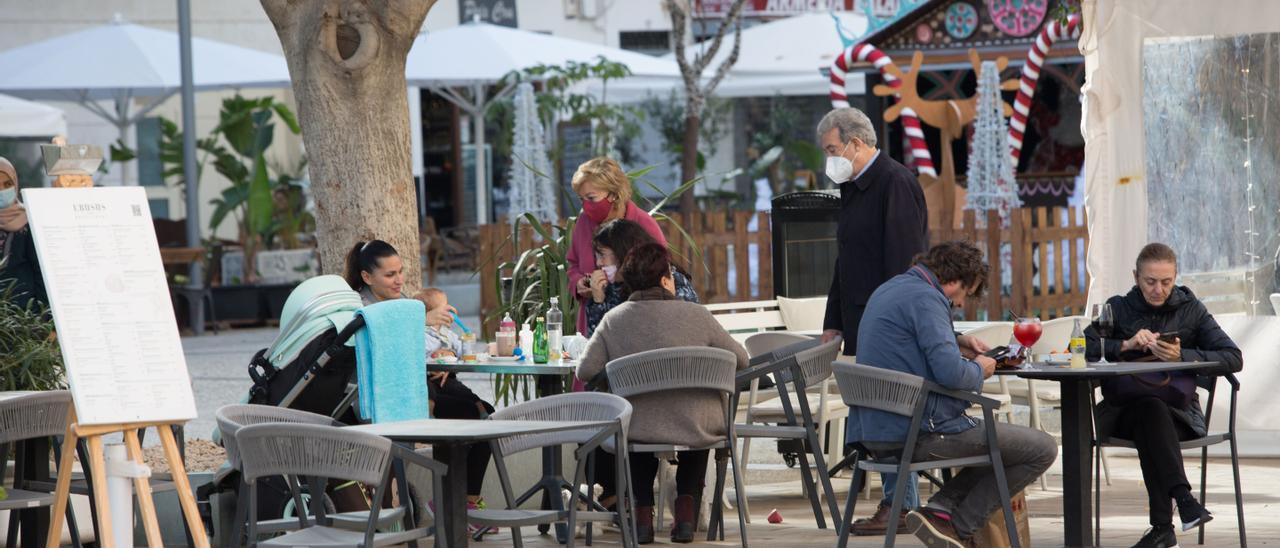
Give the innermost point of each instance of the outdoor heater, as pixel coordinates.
(804, 242)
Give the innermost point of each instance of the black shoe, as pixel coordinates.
(1160, 536)
(1193, 513)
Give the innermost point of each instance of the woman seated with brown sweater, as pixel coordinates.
(653, 318)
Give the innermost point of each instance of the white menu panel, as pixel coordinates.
(110, 303)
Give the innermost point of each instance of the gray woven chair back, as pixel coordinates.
(279, 449)
(34, 415)
(874, 388)
(770, 341)
(679, 368)
(578, 406)
(815, 362)
(232, 418)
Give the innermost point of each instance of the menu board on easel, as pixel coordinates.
(110, 301)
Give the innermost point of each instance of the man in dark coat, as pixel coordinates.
(1157, 410)
(883, 221)
(883, 225)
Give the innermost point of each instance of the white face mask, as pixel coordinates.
(609, 271)
(839, 168)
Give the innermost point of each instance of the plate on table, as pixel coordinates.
(1058, 359)
(504, 359)
(445, 359)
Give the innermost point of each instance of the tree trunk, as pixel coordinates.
(689, 161)
(347, 60)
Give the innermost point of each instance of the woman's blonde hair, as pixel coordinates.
(606, 175)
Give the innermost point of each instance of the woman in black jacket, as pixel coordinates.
(1157, 410)
(19, 264)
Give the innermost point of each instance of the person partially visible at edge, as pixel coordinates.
(1157, 410)
(375, 270)
(882, 224)
(613, 240)
(907, 328)
(19, 263)
(651, 319)
(605, 191)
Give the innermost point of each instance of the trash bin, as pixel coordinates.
(804, 242)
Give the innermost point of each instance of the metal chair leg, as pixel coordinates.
(846, 524)
(1235, 472)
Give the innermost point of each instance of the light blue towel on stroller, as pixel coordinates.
(391, 367)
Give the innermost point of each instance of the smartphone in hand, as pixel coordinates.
(1169, 337)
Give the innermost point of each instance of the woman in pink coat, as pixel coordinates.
(606, 195)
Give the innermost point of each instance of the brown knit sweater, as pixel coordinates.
(649, 321)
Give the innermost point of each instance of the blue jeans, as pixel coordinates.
(910, 499)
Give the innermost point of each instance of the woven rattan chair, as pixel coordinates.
(319, 453)
(231, 418)
(29, 416)
(905, 394)
(695, 371)
(580, 406)
(798, 374)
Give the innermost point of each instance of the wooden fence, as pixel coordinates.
(1046, 247)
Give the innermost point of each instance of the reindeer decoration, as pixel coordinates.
(950, 116)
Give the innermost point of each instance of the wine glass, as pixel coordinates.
(1104, 324)
(1027, 331)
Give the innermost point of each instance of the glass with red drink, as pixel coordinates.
(1027, 331)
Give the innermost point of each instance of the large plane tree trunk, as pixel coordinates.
(347, 61)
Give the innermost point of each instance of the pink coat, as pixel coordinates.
(582, 257)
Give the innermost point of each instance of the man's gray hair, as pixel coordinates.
(851, 123)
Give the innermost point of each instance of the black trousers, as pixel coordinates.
(1154, 431)
(455, 401)
(644, 469)
(854, 314)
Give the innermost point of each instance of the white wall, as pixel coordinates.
(611, 17)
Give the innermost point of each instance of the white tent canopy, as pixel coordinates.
(459, 63)
(1118, 185)
(783, 57)
(120, 61)
(19, 118)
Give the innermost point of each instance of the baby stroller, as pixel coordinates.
(310, 366)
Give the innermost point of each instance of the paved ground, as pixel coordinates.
(1124, 505)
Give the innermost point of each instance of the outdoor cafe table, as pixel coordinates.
(550, 381)
(449, 439)
(1077, 430)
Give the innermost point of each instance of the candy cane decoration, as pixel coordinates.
(1051, 33)
(910, 123)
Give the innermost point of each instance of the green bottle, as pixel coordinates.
(540, 342)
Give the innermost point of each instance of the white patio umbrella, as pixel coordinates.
(459, 63)
(121, 61)
(19, 118)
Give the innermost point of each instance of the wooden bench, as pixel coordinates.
(744, 319)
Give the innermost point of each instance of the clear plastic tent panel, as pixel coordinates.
(1212, 127)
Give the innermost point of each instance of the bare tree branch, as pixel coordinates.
(728, 63)
(733, 18)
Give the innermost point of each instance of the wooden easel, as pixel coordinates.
(98, 472)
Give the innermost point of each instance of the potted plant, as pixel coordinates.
(30, 358)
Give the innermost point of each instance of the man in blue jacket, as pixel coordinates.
(907, 327)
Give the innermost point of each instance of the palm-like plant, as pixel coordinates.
(30, 358)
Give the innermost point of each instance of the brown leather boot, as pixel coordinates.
(878, 524)
(644, 525)
(682, 529)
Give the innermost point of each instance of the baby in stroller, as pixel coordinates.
(450, 399)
